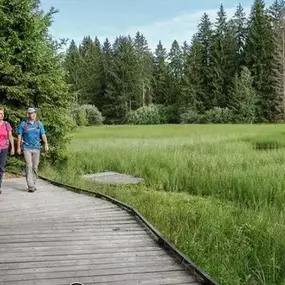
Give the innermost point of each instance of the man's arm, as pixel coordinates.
(44, 136)
(20, 132)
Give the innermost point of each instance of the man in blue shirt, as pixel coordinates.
(30, 133)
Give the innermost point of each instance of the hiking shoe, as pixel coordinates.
(0, 191)
(31, 190)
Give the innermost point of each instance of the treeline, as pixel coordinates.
(232, 71)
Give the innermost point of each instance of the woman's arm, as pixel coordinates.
(11, 139)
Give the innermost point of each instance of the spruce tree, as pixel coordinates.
(204, 39)
(243, 97)
(192, 84)
(31, 73)
(144, 61)
(223, 60)
(123, 81)
(72, 66)
(91, 70)
(175, 69)
(240, 31)
(160, 75)
(260, 59)
(277, 17)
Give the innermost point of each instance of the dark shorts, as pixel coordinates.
(3, 159)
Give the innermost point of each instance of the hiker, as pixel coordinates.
(30, 132)
(6, 140)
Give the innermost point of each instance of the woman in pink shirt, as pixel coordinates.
(5, 137)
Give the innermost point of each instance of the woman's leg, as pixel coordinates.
(3, 159)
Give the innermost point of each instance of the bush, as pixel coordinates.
(80, 116)
(171, 114)
(87, 115)
(219, 115)
(191, 117)
(93, 115)
(214, 116)
(148, 115)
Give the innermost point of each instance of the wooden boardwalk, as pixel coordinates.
(55, 236)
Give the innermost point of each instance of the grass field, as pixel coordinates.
(217, 192)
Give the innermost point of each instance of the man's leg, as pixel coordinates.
(3, 158)
(29, 169)
(36, 161)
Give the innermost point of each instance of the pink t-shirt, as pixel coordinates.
(4, 135)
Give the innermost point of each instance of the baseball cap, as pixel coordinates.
(31, 110)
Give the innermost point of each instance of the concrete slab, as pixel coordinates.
(111, 177)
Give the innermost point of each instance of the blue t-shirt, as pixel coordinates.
(31, 132)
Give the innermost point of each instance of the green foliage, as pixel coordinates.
(191, 117)
(160, 80)
(80, 116)
(213, 116)
(243, 98)
(260, 60)
(30, 70)
(219, 115)
(92, 115)
(148, 115)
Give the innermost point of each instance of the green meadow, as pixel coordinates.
(215, 191)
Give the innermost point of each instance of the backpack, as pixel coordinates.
(6, 125)
(26, 125)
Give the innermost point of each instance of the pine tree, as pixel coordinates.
(30, 69)
(72, 67)
(106, 101)
(175, 69)
(222, 60)
(91, 71)
(160, 75)
(218, 60)
(204, 39)
(145, 59)
(192, 85)
(277, 17)
(240, 31)
(123, 80)
(260, 59)
(243, 97)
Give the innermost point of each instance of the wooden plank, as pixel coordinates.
(130, 252)
(122, 279)
(6, 268)
(91, 266)
(56, 237)
(92, 275)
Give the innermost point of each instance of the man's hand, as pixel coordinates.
(19, 151)
(12, 152)
(46, 148)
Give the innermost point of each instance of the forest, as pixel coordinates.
(231, 71)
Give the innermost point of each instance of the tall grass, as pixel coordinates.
(229, 162)
(232, 223)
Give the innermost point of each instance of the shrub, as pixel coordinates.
(219, 115)
(191, 117)
(93, 115)
(87, 115)
(215, 116)
(171, 114)
(80, 116)
(148, 115)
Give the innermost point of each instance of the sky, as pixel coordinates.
(164, 20)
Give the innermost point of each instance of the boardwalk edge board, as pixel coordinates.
(162, 241)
